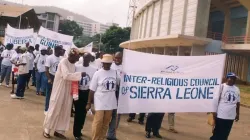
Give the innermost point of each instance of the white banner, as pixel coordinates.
(159, 83)
(51, 39)
(18, 37)
(89, 47)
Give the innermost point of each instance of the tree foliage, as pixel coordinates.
(71, 28)
(113, 37)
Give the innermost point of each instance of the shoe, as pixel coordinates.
(13, 96)
(0, 84)
(148, 135)
(130, 119)
(112, 139)
(45, 113)
(47, 136)
(7, 86)
(37, 93)
(141, 122)
(172, 130)
(157, 135)
(61, 136)
(78, 138)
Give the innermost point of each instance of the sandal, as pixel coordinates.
(47, 136)
(61, 136)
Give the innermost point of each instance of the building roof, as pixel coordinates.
(62, 12)
(13, 10)
(51, 9)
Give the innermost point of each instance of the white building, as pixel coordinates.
(98, 28)
(49, 20)
(87, 27)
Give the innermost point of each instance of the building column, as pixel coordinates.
(197, 50)
(227, 24)
(248, 28)
(181, 51)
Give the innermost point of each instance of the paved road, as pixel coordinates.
(23, 120)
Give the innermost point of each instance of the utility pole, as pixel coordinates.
(100, 42)
(131, 12)
(20, 20)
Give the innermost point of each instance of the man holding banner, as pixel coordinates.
(177, 84)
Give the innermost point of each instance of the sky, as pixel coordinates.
(99, 10)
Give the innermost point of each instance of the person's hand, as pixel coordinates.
(88, 106)
(237, 118)
(83, 74)
(49, 81)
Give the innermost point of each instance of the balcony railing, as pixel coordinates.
(214, 35)
(229, 39)
(237, 40)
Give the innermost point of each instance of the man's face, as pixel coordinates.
(86, 59)
(62, 52)
(106, 66)
(43, 52)
(118, 60)
(231, 80)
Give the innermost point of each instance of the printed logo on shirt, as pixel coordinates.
(55, 66)
(231, 96)
(85, 81)
(109, 84)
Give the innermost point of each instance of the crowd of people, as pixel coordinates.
(98, 77)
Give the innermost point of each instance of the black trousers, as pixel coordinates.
(141, 116)
(80, 112)
(222, 129)
(154, 121)
(29, 76)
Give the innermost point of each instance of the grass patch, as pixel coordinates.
(245, 94)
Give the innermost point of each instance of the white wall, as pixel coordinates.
(166, 17)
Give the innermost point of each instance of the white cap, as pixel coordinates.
(43, 48)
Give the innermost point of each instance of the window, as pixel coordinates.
(43, 23)
(44, 15)
(50, 25)
(51, 16)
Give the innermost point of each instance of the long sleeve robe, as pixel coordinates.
(58, 115)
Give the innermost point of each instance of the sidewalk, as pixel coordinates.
(23, 120)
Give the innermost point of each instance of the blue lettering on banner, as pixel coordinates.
(143, 92)
(186, 89)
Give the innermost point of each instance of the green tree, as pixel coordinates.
(71, 28)
(113, 37)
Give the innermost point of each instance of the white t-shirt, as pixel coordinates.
(230, 96)
(118, 69)
(104, 85)
(40, 62)
(96, 64)
(85, 81)
(80, 62)
(14, 59)
(36, 52)
(23, 69)
(52, 62)
(7, 54)
(31, 59)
